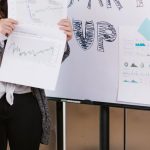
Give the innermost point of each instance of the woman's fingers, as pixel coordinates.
(65, 25)
(12, 21)
(67, 31)
(7, 26)
(64, 22)
(65, 28)
(9, 21)
(6, 32)
(7, 29)
(10, 25)
(69, 35)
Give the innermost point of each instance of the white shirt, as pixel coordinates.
(10, 88)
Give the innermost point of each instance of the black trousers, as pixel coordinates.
(20, 124)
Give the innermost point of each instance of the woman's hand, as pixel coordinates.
(65, 25)
(7, 26)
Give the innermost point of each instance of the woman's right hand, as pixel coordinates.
(7, 26)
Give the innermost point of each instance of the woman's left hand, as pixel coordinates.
(65, 25)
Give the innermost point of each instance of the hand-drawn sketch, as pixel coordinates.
(44, 57)
(108, 3)
(89, 4)
(117, 3)
(105, 31)
(84, 40)
(43, 52)
(36, 44)
(70, 3)
(140, 3)
(134, 77)
(36, 12)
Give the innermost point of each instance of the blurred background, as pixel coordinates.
(83, 128)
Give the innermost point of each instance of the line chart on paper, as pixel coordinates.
(36, 12)
(45, 52)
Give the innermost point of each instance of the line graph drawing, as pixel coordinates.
(37, 12)
(36, 9)
(47, 55)
(19, 52)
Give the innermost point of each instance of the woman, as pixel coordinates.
(24, 117)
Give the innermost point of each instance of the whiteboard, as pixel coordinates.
(91, 70)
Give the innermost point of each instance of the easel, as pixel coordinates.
(59, 114)
(104, 126)
(104, 121)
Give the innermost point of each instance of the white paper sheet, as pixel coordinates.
(134, 66)
(34, 51)
(36, 66)
(45, 12)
